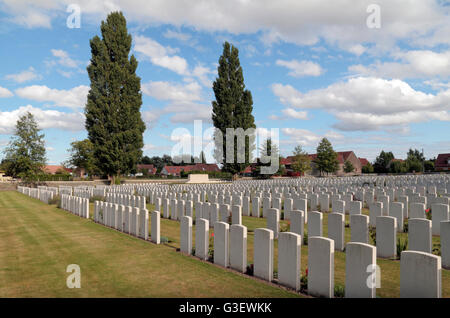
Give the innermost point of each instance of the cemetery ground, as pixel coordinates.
(114, 264)
(38, 242)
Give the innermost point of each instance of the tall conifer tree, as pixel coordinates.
(113, 118)
(232, 109)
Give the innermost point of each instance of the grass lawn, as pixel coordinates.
(390, 269)
(39, 241)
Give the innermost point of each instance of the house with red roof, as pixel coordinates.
(364, 162)
(151, 169)
(342, 156)
(176, 170)
(54, 169)
(442, 162)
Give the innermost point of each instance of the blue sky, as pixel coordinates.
(314, 68)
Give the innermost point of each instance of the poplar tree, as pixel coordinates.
(113, 118)
(232, 109)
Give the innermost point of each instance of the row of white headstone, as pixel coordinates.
(420, 272)
(127, 219)
(127, 199)
(75, 205)
(40, 194)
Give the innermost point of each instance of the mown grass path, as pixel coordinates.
(39, 241)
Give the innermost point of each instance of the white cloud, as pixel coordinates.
(183, 101)
(183, 37)
(201, 73)
(340, 22)
(301, 68)
(290, 112)
(368, 103)
(172, 91)
(73, 98)
(64, 59)
(45, 119)
(306, 137)
(412, 64)
(24, 76)
(187, 112)
(4, 92)
(160, 55)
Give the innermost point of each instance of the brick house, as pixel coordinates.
(53, 169)
(151, 169)
(342, 156)
(176, 170)
(442, 162)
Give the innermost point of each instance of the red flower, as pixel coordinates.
(427, 210)
(212, 234)
(306, 271)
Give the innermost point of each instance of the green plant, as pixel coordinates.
(428, 213)
(305, 238)
(56, 200)
(284, 227)
(402, 245)
(339, 291)
(373, 235)
(304, 283)
(164, 239)
(436, 250)
(405, 226)
(96, 198)
(249, 270)
(211, 255)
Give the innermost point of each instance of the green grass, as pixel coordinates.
(390, 269)
(39, 241)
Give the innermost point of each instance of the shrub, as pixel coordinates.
(436, 249)
(56, 200)
(373, 235)
(405, 226)
(304, 284)
(211, 255)
(402, 245)
(428, 213)
(339, 291)
(96, 198)
(284, 227)
(249, 270)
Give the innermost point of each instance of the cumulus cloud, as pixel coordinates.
(184, 100)
(72, 98)
(301, 68)
(308, 138)
(172, 91)
(411, 64)
(160, 55)
(290, 112)
(4, 92)
(368, 103)
(304, 22)
(64, 59)
(24, 76)
(45, 119)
